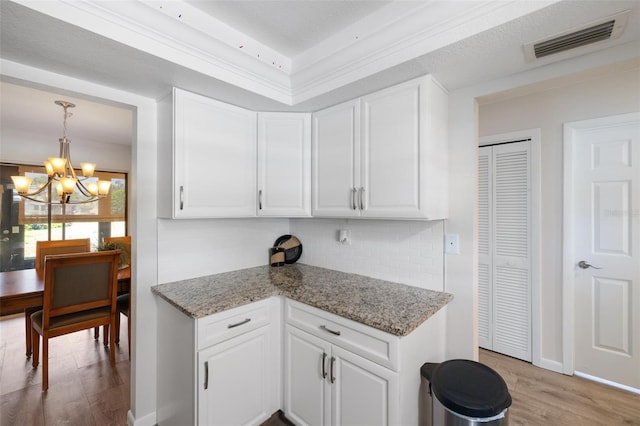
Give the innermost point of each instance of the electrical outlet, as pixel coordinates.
(452, 243)
(344, 237)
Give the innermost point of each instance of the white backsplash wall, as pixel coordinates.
(408, 252)
(194, 248)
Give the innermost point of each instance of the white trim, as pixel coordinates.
(568, 250)
(550, 364)
(607, 382)
(536, 237)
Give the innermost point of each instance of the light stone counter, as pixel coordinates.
(395, 308)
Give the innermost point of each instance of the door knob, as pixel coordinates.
(584, 265)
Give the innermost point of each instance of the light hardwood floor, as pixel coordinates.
(542, 397)
(83, 388)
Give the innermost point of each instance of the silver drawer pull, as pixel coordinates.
(206, 375)
(324, 327)
(239, 323)
(332, 378)
(324, 359)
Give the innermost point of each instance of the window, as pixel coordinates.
(31, 221)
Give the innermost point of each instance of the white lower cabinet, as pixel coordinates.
(223, 369)
(240, 366)
(233, 380)
(328, 385)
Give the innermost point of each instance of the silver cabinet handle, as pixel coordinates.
(353, 199)
(181, 197)
(361, 198)
(584, 265)
(332, 379)
(324, 359)
(246, 320)
(324, 327)
(260, 199)
(206, 374)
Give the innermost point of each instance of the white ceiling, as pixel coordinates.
(289, 27)
(278, 55)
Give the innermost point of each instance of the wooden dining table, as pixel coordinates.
(23, 290)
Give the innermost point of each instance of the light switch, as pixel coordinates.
(452, 243)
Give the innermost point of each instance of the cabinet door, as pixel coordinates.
(233, 380)
(391, 156)
(284, 164)
(306, 389)
(335, 160)
(214, 158)
(363, 393)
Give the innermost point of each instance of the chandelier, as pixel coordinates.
(63, 182)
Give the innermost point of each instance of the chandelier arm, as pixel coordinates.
(83, 189)
(52, 202)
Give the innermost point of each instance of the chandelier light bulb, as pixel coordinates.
(68, 185)
(21, 183)
(88, 169)
(92, 187)
(103, 187)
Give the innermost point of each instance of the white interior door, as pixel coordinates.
(605, 185)
(505, 249)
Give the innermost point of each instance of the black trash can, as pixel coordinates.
(466, 393)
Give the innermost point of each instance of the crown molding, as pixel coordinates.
(398, 38)
(143, 27)
(177, 32)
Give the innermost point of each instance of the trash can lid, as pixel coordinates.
(469, 388)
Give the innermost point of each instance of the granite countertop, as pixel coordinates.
(395, 308)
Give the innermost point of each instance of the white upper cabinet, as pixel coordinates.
(335, 147)
(206, 157)
(284, 164)
(383, 155)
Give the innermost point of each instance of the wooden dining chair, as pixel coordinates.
(44, 249)
(123, 305)
(79, 294)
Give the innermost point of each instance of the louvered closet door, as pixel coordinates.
(505, 249)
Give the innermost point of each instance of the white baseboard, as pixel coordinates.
(549, 364)
(148, 420)
(607, 382)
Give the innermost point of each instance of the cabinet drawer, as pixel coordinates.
(368, 342)
(234, 322)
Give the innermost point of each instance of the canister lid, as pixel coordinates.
(469, 388)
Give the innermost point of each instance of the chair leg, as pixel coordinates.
(35, 344)
(27, 330)
(45, 363)
(112, 345)
(96, 333)
(105, 337)
(117, 330)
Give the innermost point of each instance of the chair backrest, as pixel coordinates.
(123, 244)
(79, 282)
(46, 248)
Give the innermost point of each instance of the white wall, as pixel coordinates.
(613, 92)
(408, 252)
(193, 248)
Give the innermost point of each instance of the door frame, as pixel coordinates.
(534, 135)
(568, 215)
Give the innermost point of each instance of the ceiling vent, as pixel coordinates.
(606, 29)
